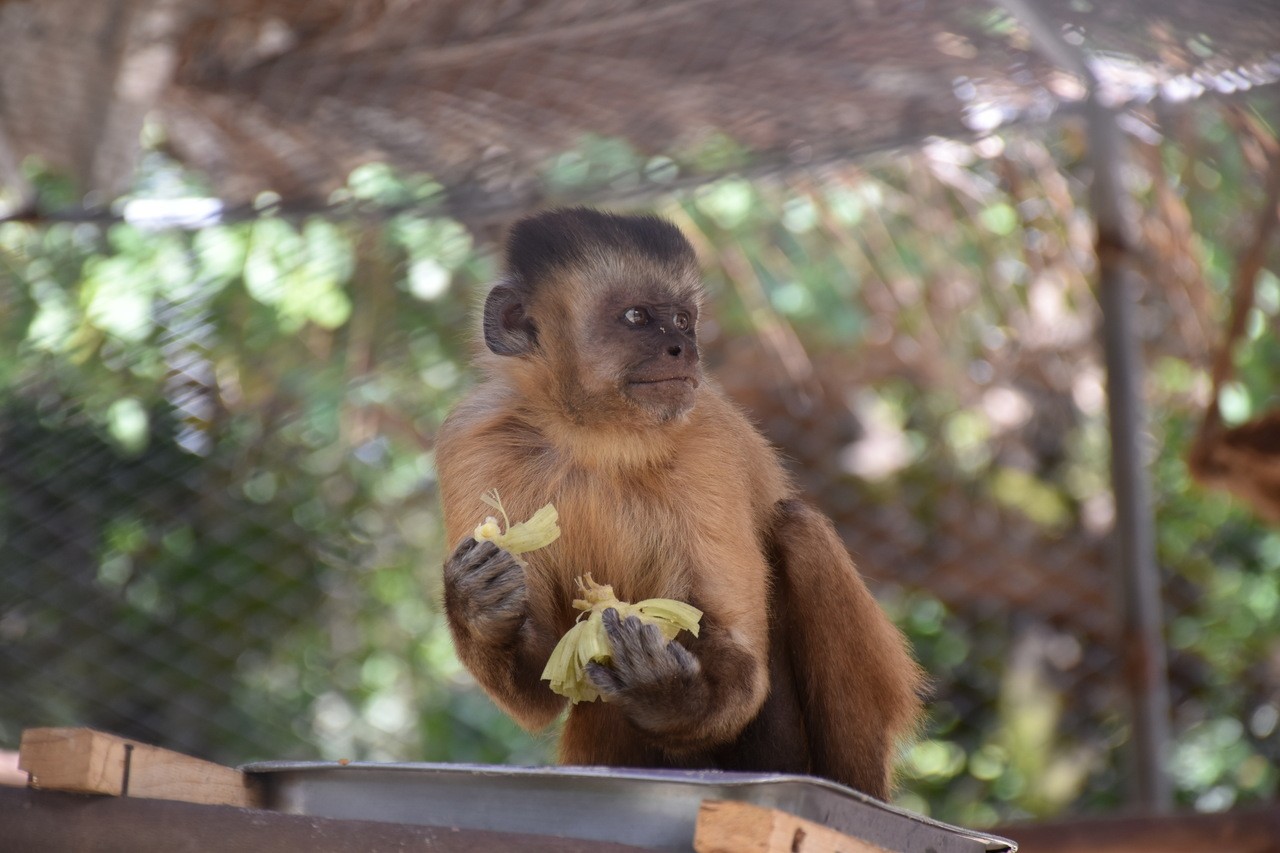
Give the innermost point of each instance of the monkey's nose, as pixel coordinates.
(674, 350)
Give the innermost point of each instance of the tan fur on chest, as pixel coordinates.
(631, 526)
(635, 531)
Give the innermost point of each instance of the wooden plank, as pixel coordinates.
(729, 827)
(1247, 830)
(9, 772)
(90, 762)
(56, 821)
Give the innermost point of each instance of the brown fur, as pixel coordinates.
(661, 493)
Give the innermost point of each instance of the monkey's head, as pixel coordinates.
(597, 315)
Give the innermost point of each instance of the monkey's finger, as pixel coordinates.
(619, 629)
(466, 544)
(493, 601)
(461, 566)
(611, 620)
(624, 640)
(608, 681)
(500, 598)
(498, 567)
(503, 591)
(646, 638)
(683, 657)
(639, 649)
(468, 559)
(495, 576)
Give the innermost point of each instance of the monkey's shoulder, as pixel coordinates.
(481, 446)
(489, 417)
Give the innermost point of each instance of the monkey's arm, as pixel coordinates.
(858, 683)
(496, 633)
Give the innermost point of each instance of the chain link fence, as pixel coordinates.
(224, 352)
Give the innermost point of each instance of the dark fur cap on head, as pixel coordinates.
(575, 237)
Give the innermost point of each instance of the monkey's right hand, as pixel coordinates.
(484, 592)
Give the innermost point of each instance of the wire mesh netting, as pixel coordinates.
(243, 246)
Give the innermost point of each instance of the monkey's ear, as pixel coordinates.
(508, 330)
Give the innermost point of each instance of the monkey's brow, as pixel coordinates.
(656, 297)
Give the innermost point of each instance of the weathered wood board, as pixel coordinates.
(90, 762)
(729, 827)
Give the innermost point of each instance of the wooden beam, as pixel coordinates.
(1253, 830)
(51, 820)
(89, 762)
(729, 827)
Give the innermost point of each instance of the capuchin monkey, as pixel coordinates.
(594, 399)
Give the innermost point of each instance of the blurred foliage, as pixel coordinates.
(218, 522)
(260, 439)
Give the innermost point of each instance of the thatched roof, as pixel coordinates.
(290, 95)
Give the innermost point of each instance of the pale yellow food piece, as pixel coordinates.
(586, 641)
(539, 531)
(489, 530)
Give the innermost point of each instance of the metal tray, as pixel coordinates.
(656, 809)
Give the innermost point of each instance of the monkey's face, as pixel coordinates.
(641, 346)
(598, 314)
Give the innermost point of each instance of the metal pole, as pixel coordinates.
(1141, 635)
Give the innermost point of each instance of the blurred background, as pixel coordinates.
(240, 244)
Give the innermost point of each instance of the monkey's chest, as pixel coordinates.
(636, 544)
(645, 538)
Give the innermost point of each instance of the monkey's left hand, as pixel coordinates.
(656, 683)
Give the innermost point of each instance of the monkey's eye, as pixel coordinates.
(681, 321)
(636, 316)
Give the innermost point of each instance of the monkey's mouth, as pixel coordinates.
(659, 381)
(665, 380)
(664, 395)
